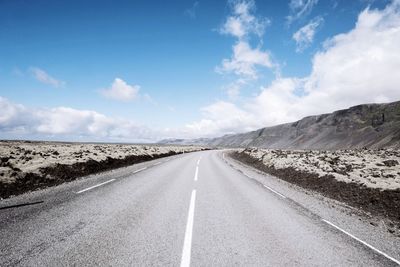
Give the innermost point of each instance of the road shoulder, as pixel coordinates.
(371, 229)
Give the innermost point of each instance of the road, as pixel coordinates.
(192, 209)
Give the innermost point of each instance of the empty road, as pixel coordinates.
(192, 209)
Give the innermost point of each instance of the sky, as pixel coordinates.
(142, 71)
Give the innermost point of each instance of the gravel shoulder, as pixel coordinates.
(378, 231)
(380, 200)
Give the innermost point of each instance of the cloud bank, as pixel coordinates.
(64, 123)
(353, 68)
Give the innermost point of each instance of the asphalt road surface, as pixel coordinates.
(192, 209)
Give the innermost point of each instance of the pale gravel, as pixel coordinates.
(31, 156)
(363, 166)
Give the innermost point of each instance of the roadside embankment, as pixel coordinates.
(365, 179)
(27, 166)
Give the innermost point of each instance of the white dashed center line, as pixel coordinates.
(187, 245)
(196, 174)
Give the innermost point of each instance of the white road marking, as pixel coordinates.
(223, 155)
(196, 174)
(266, 186)
(89, 188)
(198, 161)
(272, 190)
(157, 163)
(363, 242)
(187, 245)
(142, 169)
(248, 176)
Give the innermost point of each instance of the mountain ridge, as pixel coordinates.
(367, 125)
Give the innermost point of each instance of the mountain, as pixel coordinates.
(369, 125)
(198, 141)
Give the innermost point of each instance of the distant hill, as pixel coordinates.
(370, 125)
(198, 141)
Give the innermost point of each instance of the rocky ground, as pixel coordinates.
(372, 168)
(365, 179)
(26, 165)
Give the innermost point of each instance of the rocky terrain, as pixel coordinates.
(26, 165)
(370, 125)
(362, 178)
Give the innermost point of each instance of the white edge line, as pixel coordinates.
(272, 190)
(187, 245)
(338, 228)
(196, 174)
(142, 169)
(89, 188)
(248, 176)
(363, 242)
(157, 163)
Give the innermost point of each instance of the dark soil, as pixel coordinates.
(384, 203)
(60, 173)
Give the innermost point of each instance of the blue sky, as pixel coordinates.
(159, 66)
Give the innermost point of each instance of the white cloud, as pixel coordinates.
(359, 66)
(356, 67)
(233, 89)
(149, 99)
(245, 60)
(121, 91)
(242, 23)
(191, 12)
(45, 78)
(68, 123)
(300, 9)
(13, 116)
(305, 35)
(222, 117)
(64, 120)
